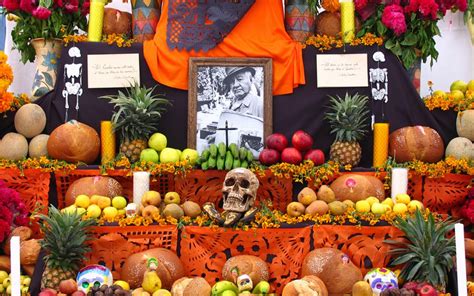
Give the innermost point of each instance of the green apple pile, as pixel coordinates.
(459, 90)
(5, 283)
(160, 153)
(227, 288)
(221, 157)
(324, 201)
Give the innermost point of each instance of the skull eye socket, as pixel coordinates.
(245, 184)
(230, 182)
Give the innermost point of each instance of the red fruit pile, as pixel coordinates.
(277, 149)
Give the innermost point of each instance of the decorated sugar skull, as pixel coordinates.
(244, 283)
(93, 275)
(381, 279)
(239, 190)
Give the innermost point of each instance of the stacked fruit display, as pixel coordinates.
(96, 206)
(221, 157)
(228, 288)
(158, 152)
(277, 149)
(30, 121)
(5, 283)
(69, 287)
(324, 201)
(152, 204)
(459, 89)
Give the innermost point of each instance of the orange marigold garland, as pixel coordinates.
(325, 43)
(119, 40)
(6, 78)
(331, 5)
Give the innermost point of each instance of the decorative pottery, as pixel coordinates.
(145, 16)
(48, 52)
(299, 20)
(414, 73)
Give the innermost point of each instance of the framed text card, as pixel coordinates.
(342, 70)
(112, 70)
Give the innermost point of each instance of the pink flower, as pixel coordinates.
(27, 5)
(360, 4)
(85, 8)
(429, 9)
(72, 6)
(41, 13)
(11, 5)
(394, 19)
(412, 6)
(462, 5)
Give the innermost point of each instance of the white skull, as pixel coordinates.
(239, 190)
(244, 283)
(381, 279)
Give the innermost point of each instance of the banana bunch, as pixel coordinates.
(221, 157)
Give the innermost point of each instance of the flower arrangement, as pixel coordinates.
(324, 42)
(121, 40)
(48, 19)
(13, 212)
(8, 102)
(408, 26)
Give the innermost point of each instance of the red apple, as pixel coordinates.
(316, 156)
(291, 155)
(276, 141)
(78, 293)
(428, 290)
(269, 156)
(302, 141)
(410, 286)
(68, 286)
(48, 292)
(419, 286)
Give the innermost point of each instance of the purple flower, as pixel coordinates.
(41, 13)
(394, 19)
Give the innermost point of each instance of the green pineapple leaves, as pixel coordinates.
(427, 253)
(138, 111)
(348, 116)
(65, 238)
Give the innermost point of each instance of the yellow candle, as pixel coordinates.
(381, 133)
(96, 20)
(107, 141)
(347, 20)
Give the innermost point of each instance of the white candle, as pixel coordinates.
(15, 266)
(141, 184)
(460, 259)
(399, 181)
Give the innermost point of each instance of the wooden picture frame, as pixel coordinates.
(233, 90)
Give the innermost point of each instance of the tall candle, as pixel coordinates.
(96, 20)
(460, 259)
(347, 20)
(399, 181)
(381, 133)
(15, 266)
(141, 184)
(107, 141)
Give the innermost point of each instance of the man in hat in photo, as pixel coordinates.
(240, 82)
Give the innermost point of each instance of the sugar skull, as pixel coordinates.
(244, 283)
(93, 275)
(381, 279)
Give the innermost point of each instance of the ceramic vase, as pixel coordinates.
(299, 20)
(145, 16)
(48, 52)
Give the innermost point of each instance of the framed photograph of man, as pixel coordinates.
(229, 98)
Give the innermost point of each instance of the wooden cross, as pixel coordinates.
(227, 129)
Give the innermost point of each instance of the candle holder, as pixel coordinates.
(141, 184)
(96, 20)
(381, 134)
(399, 182)
(347, 20)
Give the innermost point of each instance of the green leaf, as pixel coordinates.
(410, 39)
(389, 44)
(381, 29)
(48, 78)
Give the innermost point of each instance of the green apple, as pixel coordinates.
(149, 155)
(179, 152)
(119, 202)
(458, 85)
(157, 141)
(169, 155)
(378, 208)
(3, 276)
(457, 94)
(190, 155)
(470, 85)
(440, 93)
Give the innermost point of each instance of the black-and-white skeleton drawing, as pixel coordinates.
(73, 79)
(378, 78)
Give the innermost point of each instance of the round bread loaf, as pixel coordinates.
(99, 185)
(416, 142)
(191, 286)
(253, 266)
(357, 187)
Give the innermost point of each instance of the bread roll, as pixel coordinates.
(74, 142)
(334, 268)
(29, 251)
(191, 286)
(416, 142)
(98, 185)
(22, 231)
(307, 286)
(170, 268)
(357, 187)
(253, 266)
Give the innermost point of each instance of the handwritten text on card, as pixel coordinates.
(342, 70)
(112, 70)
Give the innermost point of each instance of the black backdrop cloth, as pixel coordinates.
(304, 109)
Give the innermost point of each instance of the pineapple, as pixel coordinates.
(65, 238)
(347, 117)
(427, 253)
(136, 118)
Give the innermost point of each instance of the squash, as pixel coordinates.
(465, 124)
(460, 147)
